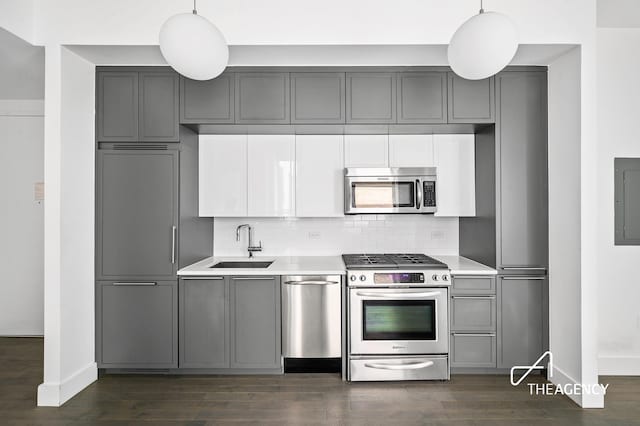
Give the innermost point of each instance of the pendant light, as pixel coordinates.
(193, 46)
(483, 45)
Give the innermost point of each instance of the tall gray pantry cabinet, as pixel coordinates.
(147, 225)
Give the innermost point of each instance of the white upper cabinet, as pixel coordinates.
(222, 175)
(319, 176)
(454, 157)
(366, 150)
(271, 168)
(411, 151)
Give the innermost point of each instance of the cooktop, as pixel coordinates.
(391, 261)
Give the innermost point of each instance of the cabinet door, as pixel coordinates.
(456, 185)
(411, 151)
(137, 214)
(255, 322)
(262, 98)
(520, 320)
(371, 97)
(222, 175)
(473, 313)
(317, 98)
(137, 324)
(422, 97)
(522, 196)
(473, 350)
(366, 150)
(158, 107)
(271, 169)
(319, 176)
(209, 101)
(471, 101)
(117, 106)
(204, 323)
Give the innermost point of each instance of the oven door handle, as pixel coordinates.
(408, 366)
(399, 295)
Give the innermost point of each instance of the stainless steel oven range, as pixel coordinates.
(398, 317)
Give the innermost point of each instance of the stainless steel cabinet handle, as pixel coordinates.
(254, 278)
(418, 194)
(174, 230)
(311, 282)
(408, 366)
(473, 297)
(522, 268)
(474, 334)
(203, 278)
(132, 283)
(398, 295)
(524, 278)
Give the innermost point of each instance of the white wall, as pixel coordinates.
(18, 17)
(618, 278)
(69, 229)
(335, 236)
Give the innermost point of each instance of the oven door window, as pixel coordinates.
(383, 194)
(399, 320)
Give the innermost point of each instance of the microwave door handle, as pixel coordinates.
(408, 366)
(399, 295)
(418, 194)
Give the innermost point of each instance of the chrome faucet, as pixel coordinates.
(251, 248)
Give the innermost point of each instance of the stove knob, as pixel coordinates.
(363, 278)
(352, 278)
(445, 278)
(435, 277)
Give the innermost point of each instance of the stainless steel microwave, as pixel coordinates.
(390, 190)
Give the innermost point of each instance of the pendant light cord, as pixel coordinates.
(195, 12)
(481, 7)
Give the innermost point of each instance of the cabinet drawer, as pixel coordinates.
(473, 313)
(473, 285)
(473, 350)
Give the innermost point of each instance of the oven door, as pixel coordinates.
(392, 194)
(386, 321)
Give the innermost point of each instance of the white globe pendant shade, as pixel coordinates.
(193, 46)
(483, 46)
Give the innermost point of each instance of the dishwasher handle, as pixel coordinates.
(311, 282)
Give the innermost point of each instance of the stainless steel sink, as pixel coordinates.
(242, 264)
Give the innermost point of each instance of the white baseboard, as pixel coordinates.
(22, 107)
(56, 394)
(585, 401)
(619, 366)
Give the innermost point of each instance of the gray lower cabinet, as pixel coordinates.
(422, 97)
(159, 100)
(136, 214)
(520, 320)
(317, 97)
(371, 97)
(204, 322)
(137, 324)
(473, 350)
(207, 102)
(522, 194)
(255, 322)
(471, 101)
(262, 98)
(117, 106)
(473, 313)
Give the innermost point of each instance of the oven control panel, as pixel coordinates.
(386, 278)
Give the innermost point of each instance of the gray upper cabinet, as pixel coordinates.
(158, 103)
(117, 106)
(137, 324)
(522, 195)
(422, 97)
(207, 102)
(255, 322)
(137, 106)
(262, 98)
(520, 320)
(371, 97)
(317, 98)
(471, 101)
(137, 214)
(204, 322)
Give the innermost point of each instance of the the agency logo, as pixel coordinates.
(551, 388)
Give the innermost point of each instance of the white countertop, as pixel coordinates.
(289, 265)
(462, 266)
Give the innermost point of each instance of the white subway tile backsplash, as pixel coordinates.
(333, 236)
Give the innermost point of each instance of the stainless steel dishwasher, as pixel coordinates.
(311, 316)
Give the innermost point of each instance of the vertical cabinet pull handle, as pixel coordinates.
(174, 230)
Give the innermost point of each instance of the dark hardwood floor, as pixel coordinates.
(294, 399)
